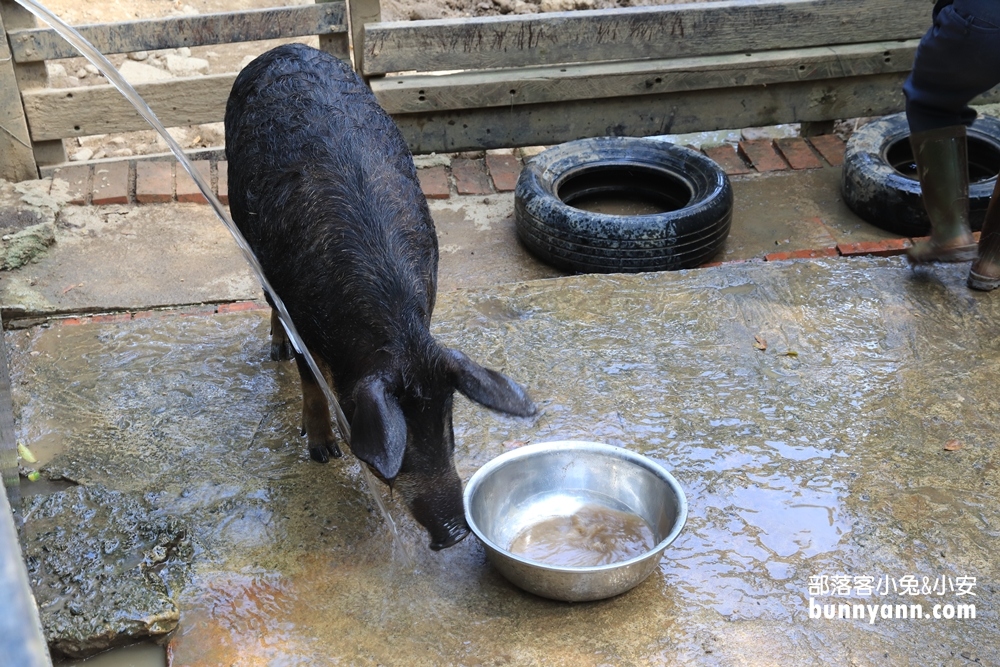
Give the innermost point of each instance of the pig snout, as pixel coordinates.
(410, 443)
(437, 506)
(404, 430)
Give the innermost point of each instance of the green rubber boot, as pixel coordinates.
(943, 170)
(985, 272)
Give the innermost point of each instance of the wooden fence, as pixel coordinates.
(468, 84)
(38, 118)
(543, 79)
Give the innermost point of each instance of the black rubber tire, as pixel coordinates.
(574, 239)
(885, 196)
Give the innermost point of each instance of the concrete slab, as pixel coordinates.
(111, 258)
(478, 244)
(792, 211)
(115, 258)
(850, 461)
(121, 257)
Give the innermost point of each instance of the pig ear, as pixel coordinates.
(487, 387)
(378, 430)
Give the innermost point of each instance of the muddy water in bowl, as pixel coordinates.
(627, 508)
(593, 535)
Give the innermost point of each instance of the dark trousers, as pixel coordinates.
(958, 59)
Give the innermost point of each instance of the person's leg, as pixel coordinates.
(957, 59)
(943, 169)
(985, 272)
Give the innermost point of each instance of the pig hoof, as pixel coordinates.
(282, 351)
(449, 541)
(324, 452)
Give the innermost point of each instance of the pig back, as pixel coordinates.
(324, 189)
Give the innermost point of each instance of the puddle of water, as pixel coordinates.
(623, 189)
(623, 206)
(139, 655)
(835, 472)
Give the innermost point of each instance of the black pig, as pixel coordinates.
(324, 189)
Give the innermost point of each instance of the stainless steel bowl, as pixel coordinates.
(521, 487)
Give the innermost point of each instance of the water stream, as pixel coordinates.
(114, 76)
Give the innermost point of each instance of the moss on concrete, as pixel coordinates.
(18, 249)
(104, 569)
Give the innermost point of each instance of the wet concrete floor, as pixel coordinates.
(833, 423)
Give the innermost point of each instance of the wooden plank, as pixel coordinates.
(536, 85)
(91, 110)
(17, 159)
(87, 110)
(151, 34)
(337, 44)
(360, 13)
(30, 76)
(636, 33)
(690, 111)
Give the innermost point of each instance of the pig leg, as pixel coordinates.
(316, 423)
(281, 347)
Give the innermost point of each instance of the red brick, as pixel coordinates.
(111, 317)
(798, 153)
(504, 170)
(239, 306)
(470, 177)
(726, 157)
(885, 248)
(167, 313)
(187, 189)
(195, 310)
(434, 182)
(154, 181)
(831, 147)
(110, 183)
(761, 154)
(801, 254)
(78, 178)
(73, 321)
(223, 184)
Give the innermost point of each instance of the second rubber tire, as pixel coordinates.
(879, 181)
